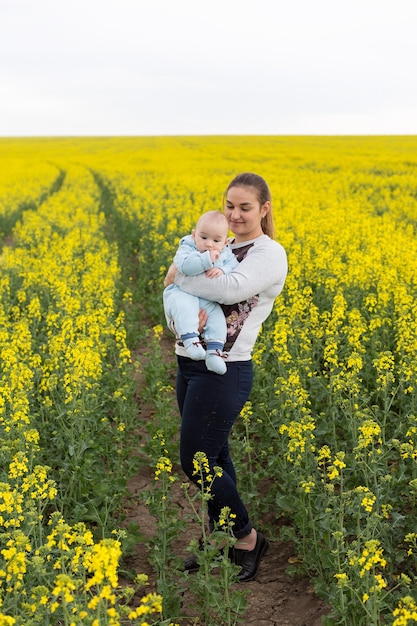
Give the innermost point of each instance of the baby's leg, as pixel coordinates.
(215, 335)
(183, 308)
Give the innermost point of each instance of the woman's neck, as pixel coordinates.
(243, 238)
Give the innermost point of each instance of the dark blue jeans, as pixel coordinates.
(209, 405)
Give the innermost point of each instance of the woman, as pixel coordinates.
(209, 404)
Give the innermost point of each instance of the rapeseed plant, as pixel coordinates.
(336, 361)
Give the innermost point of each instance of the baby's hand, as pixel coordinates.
(214, 272)
(214, 255)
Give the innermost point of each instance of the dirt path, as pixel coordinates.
(274, 599)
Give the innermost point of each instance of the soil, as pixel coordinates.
(275, 598)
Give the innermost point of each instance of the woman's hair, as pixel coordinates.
(263, 194)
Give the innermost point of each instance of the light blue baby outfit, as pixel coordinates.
(182, 308)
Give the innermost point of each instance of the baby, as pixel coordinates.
(205, 250)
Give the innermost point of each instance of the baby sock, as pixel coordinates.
(214, 361)
(193, 347)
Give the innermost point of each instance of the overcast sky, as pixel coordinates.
(157, 67)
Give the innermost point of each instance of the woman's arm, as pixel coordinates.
(264, 267)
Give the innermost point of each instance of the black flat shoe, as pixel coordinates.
(190, 563)
(249, 560)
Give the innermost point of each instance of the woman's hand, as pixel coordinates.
(202, 320)
(169, 278)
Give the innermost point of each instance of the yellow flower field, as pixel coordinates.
(89, 227)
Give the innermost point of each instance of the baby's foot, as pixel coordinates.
(194, 349)
(214, 362)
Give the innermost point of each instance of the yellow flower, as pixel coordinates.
(103, 562)
(342, 579)
(149, 604)
(164, 465)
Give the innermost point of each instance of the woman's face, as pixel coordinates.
(244, 213)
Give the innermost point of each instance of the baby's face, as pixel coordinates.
(210, 236)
